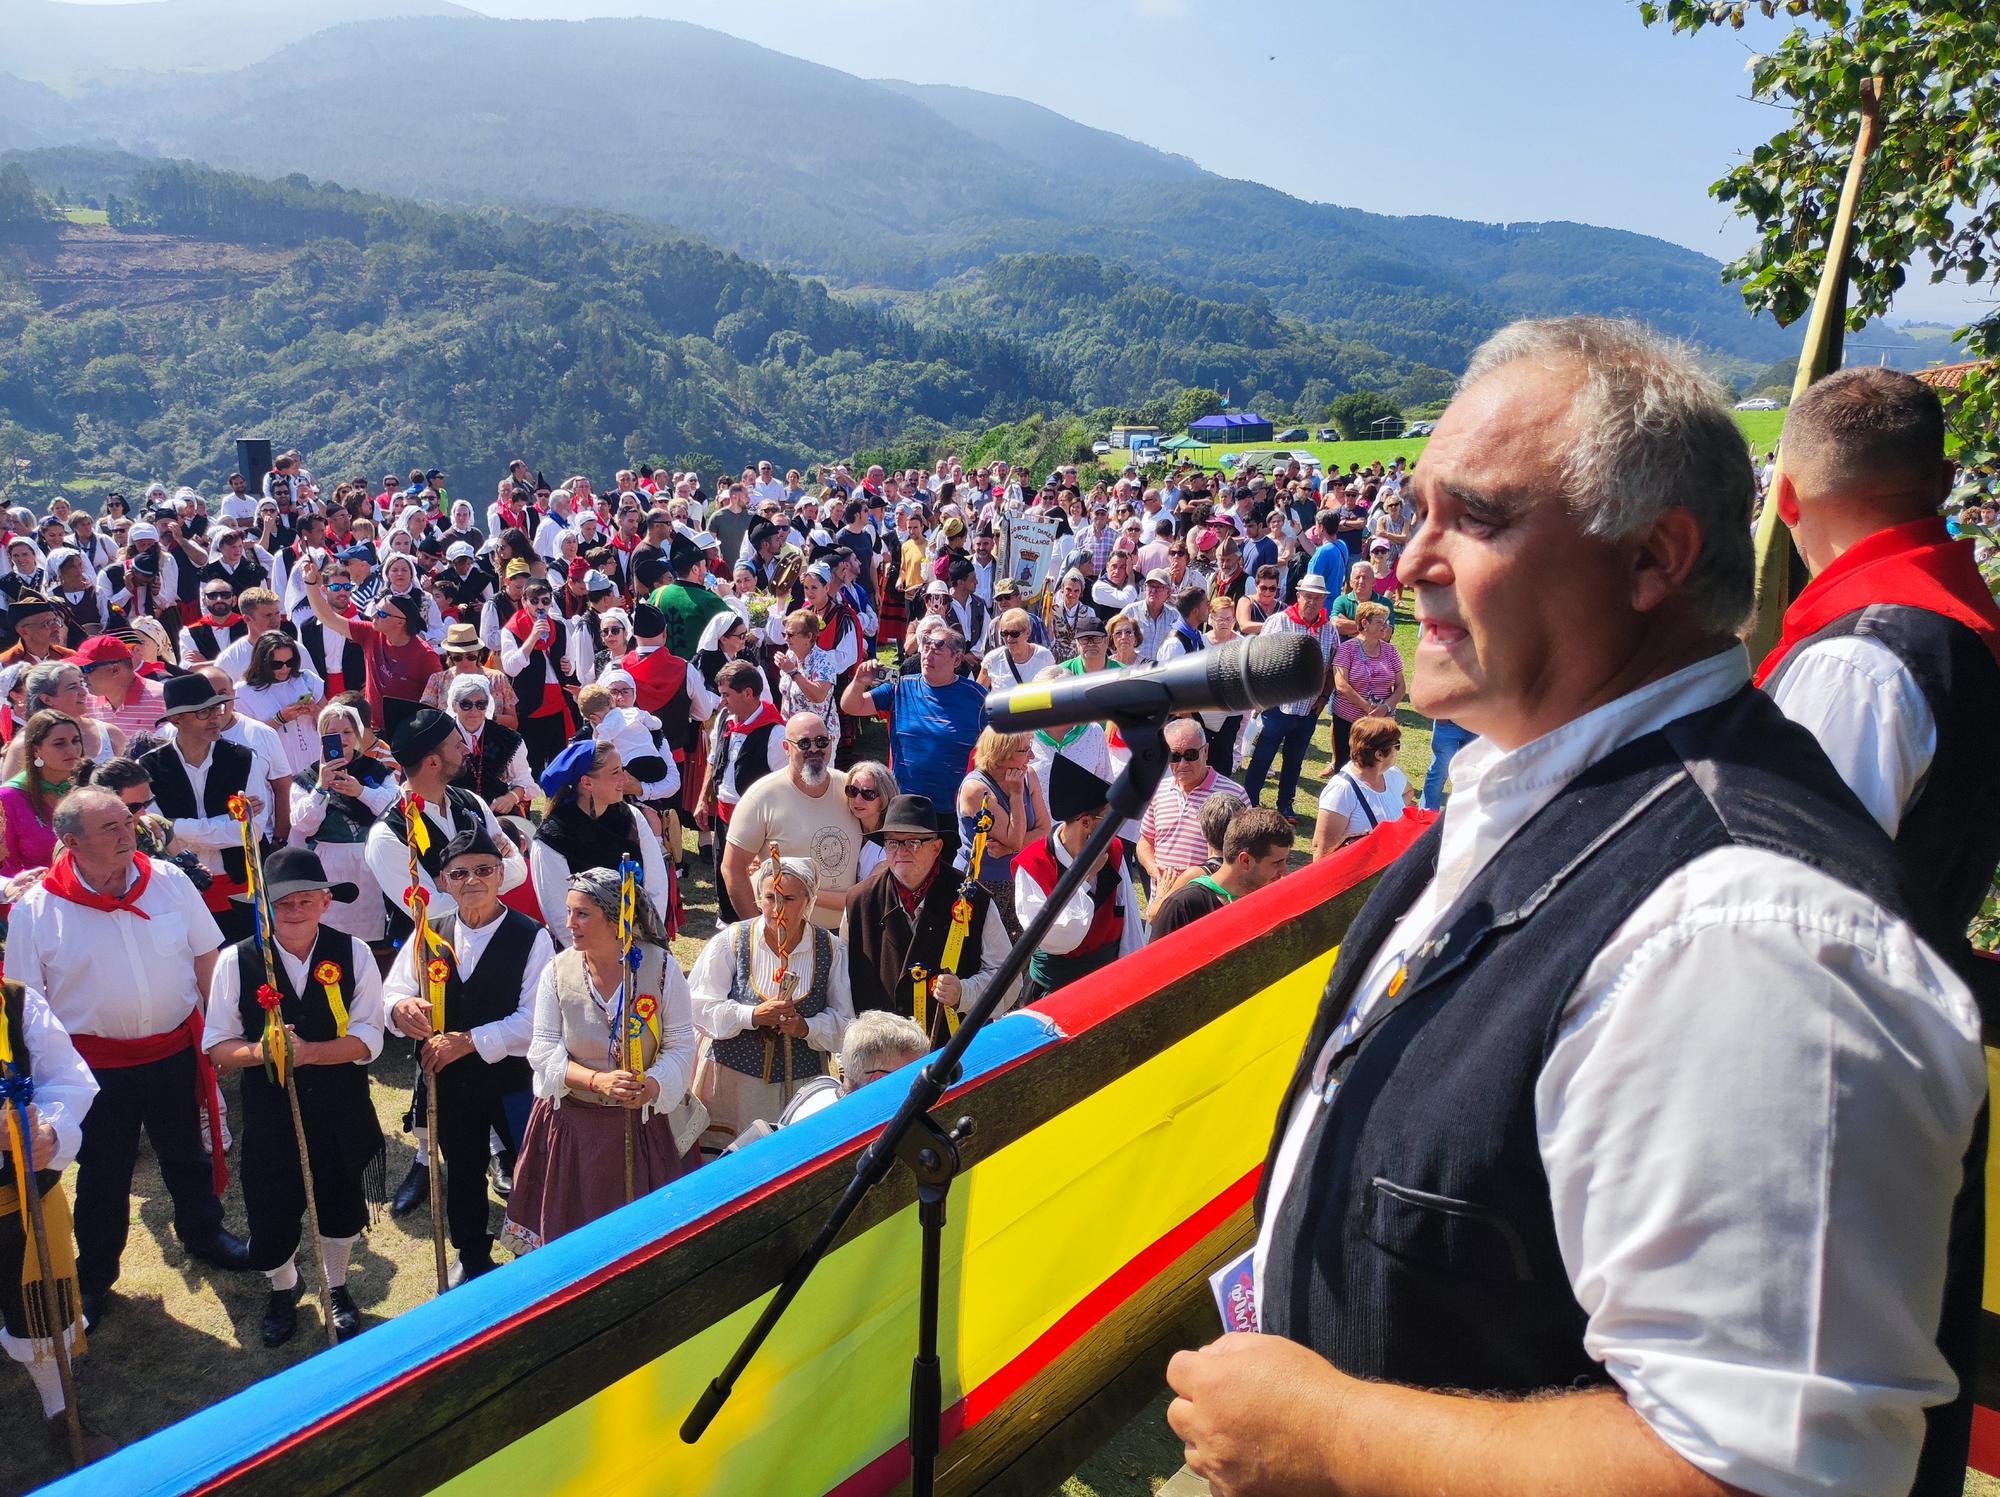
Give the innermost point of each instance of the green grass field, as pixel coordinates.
(1760, 429)
(88, 217)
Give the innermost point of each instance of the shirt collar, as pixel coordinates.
(1495, 792)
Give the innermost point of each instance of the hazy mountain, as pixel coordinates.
(55, 43)
(897, 186)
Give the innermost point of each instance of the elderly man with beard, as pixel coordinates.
(899, 927)
(1623, 1154)
(804, 811)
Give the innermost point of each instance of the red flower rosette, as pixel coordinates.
(268, 998)
(646, 1006)
(437, 971)
(417, 894)
(326, 974)
(239, 806)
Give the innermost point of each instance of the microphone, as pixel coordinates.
(1241, 676)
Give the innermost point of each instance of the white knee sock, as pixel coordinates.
(45, 1375)
(285, 1277)
(338, 1250)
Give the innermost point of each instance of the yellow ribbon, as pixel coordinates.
(327, 975)
(55, 1217)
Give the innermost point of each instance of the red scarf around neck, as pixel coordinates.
(63, 881)
(1916, 565)
(764, 714)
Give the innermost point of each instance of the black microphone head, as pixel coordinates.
(1267, 670)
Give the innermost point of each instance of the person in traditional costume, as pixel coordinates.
(39, 1062)
(590, 824)
(1102, 920)
(588, 1101)
(335, 804)
(923, 940)
(194, 777)
(493, 960)
(770, 1001)
(328, 995)
(123, 948)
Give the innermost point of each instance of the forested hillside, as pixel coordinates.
(890, 186)
(373, 331)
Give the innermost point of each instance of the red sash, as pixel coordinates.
(102, 1054)
(1917, 565)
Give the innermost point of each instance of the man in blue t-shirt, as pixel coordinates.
(934, 720)
(1331, 559)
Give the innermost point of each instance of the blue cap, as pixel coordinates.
(357, 553)
(571, 765)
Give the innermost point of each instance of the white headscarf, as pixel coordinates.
(802, 869)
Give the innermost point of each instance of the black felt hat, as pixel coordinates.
(1074, 791)
(420, 736)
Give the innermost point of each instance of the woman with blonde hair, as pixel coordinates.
(1016, 659)
(1368, 676)
(1001, 782)
(334, 803)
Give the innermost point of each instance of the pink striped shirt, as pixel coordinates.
(1172, 821)
(141, 712)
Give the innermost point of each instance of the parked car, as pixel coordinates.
(1101, 446)
(1326, 434)
(1295, 434)
(1420, 428)
(1759, 403)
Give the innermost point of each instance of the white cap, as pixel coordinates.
(142, 532)
(459, 550)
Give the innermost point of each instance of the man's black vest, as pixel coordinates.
(228, 773)
(207, 644)
(883, 945)
(351, 665)
(1950, 832)
(333, 1100)
(750, 754)
(1417, 1242)
(485, 773)
(489, 993)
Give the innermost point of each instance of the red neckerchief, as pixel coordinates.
(912, 899)
(63, 881)
(765, 713)
(830, 635)
(215, 623)
(1294, 615)
(1917, 565)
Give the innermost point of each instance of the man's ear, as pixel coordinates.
(1664, 558)
(1785, 494)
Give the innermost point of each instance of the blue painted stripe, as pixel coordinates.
(205, 1445)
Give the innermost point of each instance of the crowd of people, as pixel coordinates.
(404, 707)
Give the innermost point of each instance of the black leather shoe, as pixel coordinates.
(501, 1173)
(281, 1314)
(224, 1250)
(346, 1318)
(415, 1188)
(96, 1305)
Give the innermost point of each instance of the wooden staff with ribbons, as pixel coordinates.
(786, 982)
(635, 1012)
(961, 908)
(45, 1307)
(280, 1063)
(427, 962)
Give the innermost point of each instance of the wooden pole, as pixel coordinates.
(420, 927)
(1775, 553)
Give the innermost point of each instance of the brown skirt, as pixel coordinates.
(571, 1168)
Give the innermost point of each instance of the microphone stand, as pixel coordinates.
(929, 1149)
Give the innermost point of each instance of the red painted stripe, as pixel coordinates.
(1091, 1001)
(892, 1466)
(1985, 1457)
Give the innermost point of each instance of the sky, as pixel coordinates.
(1477, 109)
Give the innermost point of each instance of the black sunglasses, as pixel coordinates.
(1185, 756)
(807, 745)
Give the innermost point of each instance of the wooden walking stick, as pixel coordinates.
(628, 1014)
(17, 1090)
(278, 1058)
(430, 974)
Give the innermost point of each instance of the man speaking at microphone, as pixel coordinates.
(1622, 1152)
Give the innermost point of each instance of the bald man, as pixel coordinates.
(1891, 657)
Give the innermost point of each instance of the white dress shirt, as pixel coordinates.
(502, 1037)
(64, 1086)
(1154, 630)
(389, 857)
(1860, 701)
(721, 1017)
(366, 1014)
(207, 836)
(1752, 1119)
(109, 973)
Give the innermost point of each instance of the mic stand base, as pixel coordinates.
(933, 1159)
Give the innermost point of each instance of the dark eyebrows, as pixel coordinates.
(1486, 508)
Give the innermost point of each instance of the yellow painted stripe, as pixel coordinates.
(1033, 1229)
(1991, 1293)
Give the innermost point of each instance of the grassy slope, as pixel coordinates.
(1760, 429)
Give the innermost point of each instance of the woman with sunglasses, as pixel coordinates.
(869, 789)
(334, 803)
(464, 655)
(281, 690)
(614, 640)
(1016, 659)
(1260, 602)
(496, 762)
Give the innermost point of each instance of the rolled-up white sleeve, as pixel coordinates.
(1753, 1123)
(1861, 702)
(715, 1013)
(64, 1086)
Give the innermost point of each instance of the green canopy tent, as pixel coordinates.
(1183, 443)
